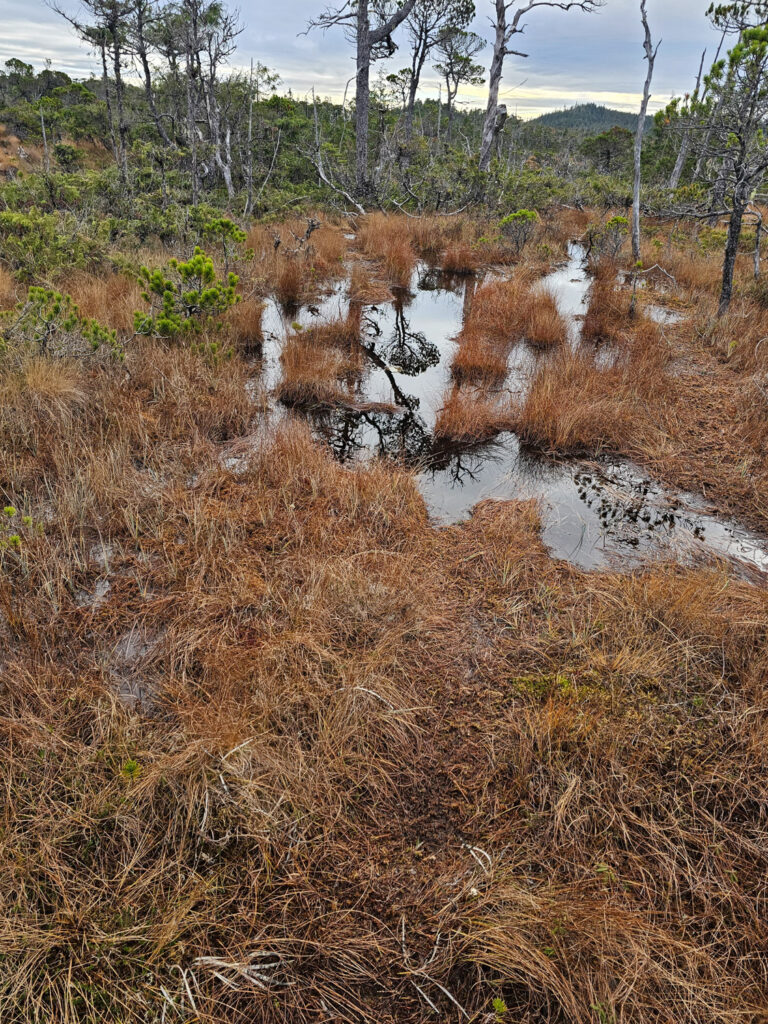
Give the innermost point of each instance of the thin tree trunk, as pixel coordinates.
(650, 56)
(758, 236)
(45, 142)
(685, 142)
(731, 249)
(705, 145)
(413, 87)
(361, 99)
(192, 126)
(449, 111)
(141, 49)
(249, 165)
(366, 40)
(122, 125)
(108, 100)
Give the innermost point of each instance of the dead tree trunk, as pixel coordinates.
(650, 56)
(504, 32)
(685, 142)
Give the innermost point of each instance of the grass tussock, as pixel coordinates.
(243, 324)
(462, 259)
(10, 292)
(579, 405)
(112, 299)
(364, 289)
(608, 309)
(388, 240)
(501, 314)
(295, 259)
(320, 365)
(541, 323)
(469, 416)
(512, 310)
(45, 391)
(477, 360)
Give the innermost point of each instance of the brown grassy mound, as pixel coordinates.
(318, 362)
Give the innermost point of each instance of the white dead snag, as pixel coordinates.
(506, 26)
(356, 15)
(685, 142)
(650, 56)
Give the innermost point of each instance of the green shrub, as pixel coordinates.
(519, 228)
(68, 157)
(49, 323)
(186, 302)
(35, 244)
(607, 239)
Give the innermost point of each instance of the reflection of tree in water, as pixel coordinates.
(408, 351)
(402, 436)
(463, 463)
(435, 279)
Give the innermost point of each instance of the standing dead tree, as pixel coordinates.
(370, 25)
(506, 25)
(650, 56)
(685, 141)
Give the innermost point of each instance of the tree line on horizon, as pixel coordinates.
(179, 120)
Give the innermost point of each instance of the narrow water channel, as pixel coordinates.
(606, 514)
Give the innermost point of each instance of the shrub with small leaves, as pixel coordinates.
(607, 239)
(187, 299)
(519, 228)
(50, 323)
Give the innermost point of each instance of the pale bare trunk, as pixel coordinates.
(362, 98)
(650, 56)
(491, 125)
(685, 142)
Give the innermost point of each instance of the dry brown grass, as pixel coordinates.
(10, 291)
(320, 365)
(575, 404)
(310, 758)
(560, 226)
(470, 415)
(540, 321)
(289, 283)
(243, 324)
(431, 235)
(388, 240)
(501, 314)
(44, 390)
(301, 633)
(111, 299)
(364, 289)
(294, 270)
(608, 308)
(477, 360)
(461, 258)
(739, 338)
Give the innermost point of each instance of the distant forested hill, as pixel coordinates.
(589, 118)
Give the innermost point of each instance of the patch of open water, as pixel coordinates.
(594, 514)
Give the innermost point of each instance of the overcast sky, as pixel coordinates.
(574, 57)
